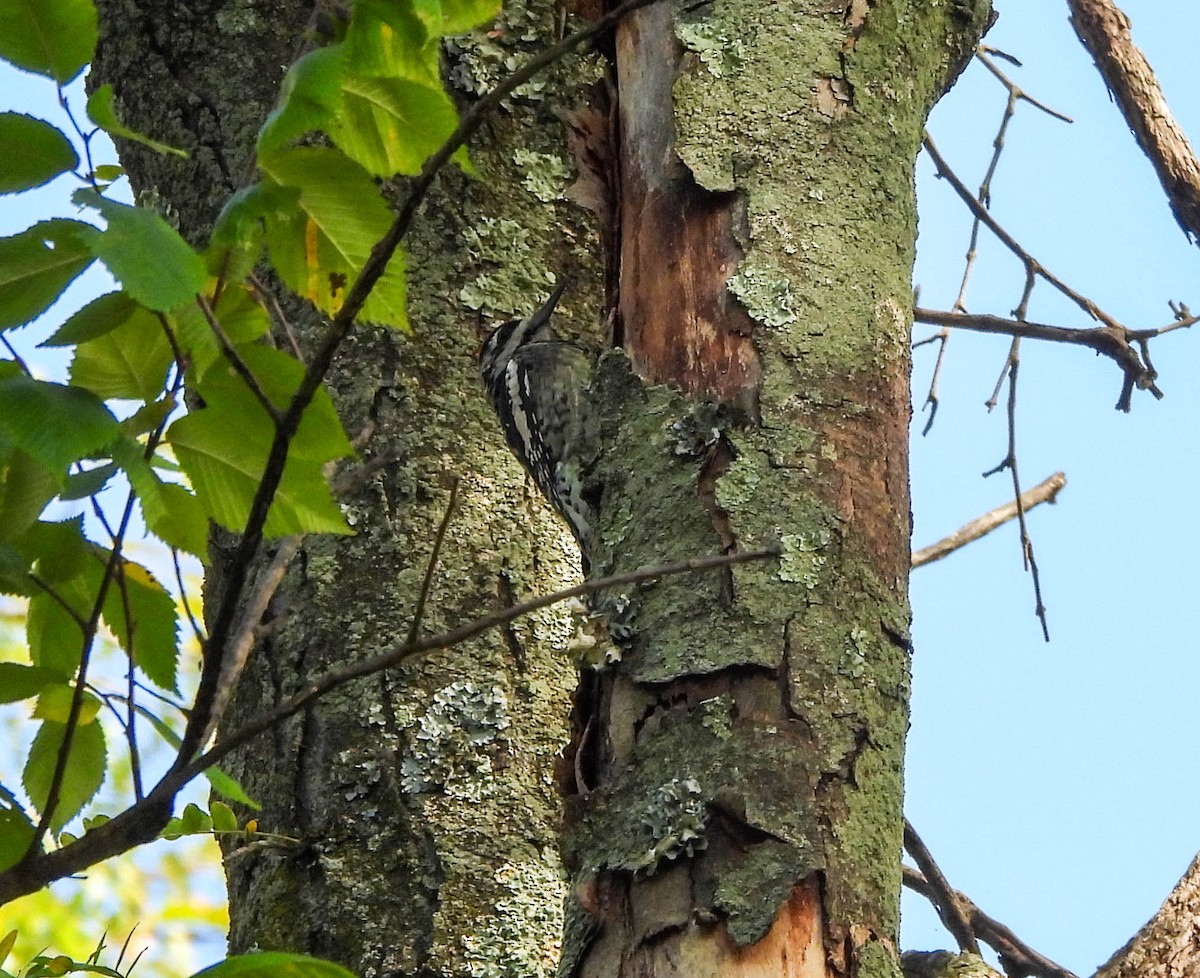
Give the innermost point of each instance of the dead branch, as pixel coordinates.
(1044, 492)
(1103, 29)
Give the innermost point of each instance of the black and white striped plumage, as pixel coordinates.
(536, 384)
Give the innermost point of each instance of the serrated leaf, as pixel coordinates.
(171, 513)
(149, 632)
(130, 361)
(20, 682)
(240, 315)
(16, 832)
(54, 703)
(59, 549)
(391, 125)
(390, 40)
(145, 254)
(102, 111)
(320, 248)
(26, 487)
(225, 466)
(223, 818)
(80, 485)
(37, 265)
(320, 436)
(54, 635)
(82, 778)
(45, 152)
(101, 315)
(309, 98)
(50, 37)
(54, 423)
(274, 964)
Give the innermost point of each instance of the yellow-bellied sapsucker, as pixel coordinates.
(537, 385)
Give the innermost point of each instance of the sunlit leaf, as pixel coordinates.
(37, 265)
(145, 254)
(54, 423)
(45, 152)
(391, 125)
(143, 616)
(54, 633)
(223, 818)
(309, 98)
(320, 248)
(238, 312)
(82, 777)
(130, 361)
(274, 964)
(80, 485)
(389, 40)
(55, 701)
(51, 37)
(101, 110)
(460, 16)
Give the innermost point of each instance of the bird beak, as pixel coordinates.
(542, 316)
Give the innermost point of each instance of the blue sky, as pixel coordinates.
(1056, 784)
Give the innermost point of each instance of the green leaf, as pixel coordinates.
(389, 40)
(309, 98)
(225, 464)
(101, 110)
(177, 517)
(320, 248)
(274, 964)
(108, 172)
(54, 703)
(80, 485)
(460, 16)
(26, 487)
(82, 777)
(45, 152)
(240, 315)
(55, 637)
(51, 37)
(320, 436)
(221, 782)
(130, 361)
(150, 630)
(390, 125)
(195, 820)
(37, 265)
(20, 682)
(16, 832)
(100, 316)
(145, 254)
(223, 818)
(55, 424)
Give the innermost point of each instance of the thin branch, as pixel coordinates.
(240, 367)
(1044, 492)
(944, 900)
(404, 652)
(983, 52)
(1104, 31)
(1017, 957)
(419, 612)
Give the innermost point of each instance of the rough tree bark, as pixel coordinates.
(735, 798)
(736, 806)
(425, 801)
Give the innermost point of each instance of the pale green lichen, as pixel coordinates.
(767, 297)
(803, 557)
(736, 487)
(522, 937)
(448, 750)
(544, 175)
(674, 818)
(720, 53)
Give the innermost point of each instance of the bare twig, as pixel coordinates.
(981, 526)
(404, 652)
(1017, 957)
(944, 899)
(419, 612)
(1104, 31)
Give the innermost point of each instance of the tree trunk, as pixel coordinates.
(735, 797)
(425, 800)
(737, 807)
